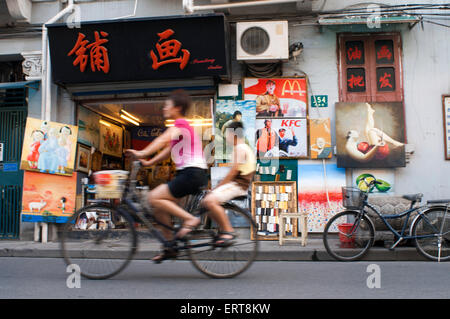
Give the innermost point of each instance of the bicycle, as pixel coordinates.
(349, 234)
(85, 245)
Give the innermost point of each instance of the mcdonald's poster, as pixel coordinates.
(48, 198)
(370, 135)
(49, 147)
(278, 97)
(281, 138)
(228, 111)
(320, 193)
(320, 138)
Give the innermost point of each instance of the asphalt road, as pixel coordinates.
(47, 278)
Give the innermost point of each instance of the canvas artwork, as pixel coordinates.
(228, 111)
(49, 147)
(320, 138)
(111, 139)
(83, 158)
(370, 135)
(88, 127)
(278, 97)
(281, 138)
(48, 198)
(446, 106)
(362, 177)
(320, 193)
(96, 161)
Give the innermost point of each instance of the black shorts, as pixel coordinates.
(188, 181)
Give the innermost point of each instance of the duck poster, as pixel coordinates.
(49, 147)
(370, 135)
(48, 198)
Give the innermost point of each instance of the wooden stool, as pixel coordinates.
(303, 218)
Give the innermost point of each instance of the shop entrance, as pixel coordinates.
(122, 124)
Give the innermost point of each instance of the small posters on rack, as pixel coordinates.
(281, 138)
(228, 111)
(320, 138)
(48, 198)
(278, 97)
(49, 147)
(320, 193)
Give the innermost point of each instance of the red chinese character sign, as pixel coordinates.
(168, 51)
(145, 49)
(95, 52)
(354, 51)
(386, 79)
(384, 51)
(356, 80)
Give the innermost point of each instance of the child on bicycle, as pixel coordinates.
(235, 184)
(184, 145)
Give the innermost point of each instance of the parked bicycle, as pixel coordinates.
(106, 248)
(349, 234)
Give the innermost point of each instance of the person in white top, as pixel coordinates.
(235, 184)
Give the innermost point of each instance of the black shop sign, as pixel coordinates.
(140, 49)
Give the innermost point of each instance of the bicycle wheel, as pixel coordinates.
(433, 234)
(100, 240)
(348, 235)
(218, 262)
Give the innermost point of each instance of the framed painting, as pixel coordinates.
(320, 138)
(88, 127)
(49, 147)
(370, 135)
(446, 113)
(281, 138)
(83, 158)
(96, 161)
(319, 197)
(278, 97)
(228, 111)
(111, 139)
(48, 198)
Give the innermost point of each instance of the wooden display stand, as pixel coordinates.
(269, 200)
(303, 220)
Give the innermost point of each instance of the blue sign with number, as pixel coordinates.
(319, 100)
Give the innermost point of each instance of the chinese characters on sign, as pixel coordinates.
(386, 79)
(384, 51)
(98, 54)
(355, 52)
(356, 80)
(168, 51)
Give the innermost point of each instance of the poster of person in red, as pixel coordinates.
(278, 97)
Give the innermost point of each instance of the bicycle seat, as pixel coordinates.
(414, 197)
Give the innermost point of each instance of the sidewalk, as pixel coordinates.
(269, 251)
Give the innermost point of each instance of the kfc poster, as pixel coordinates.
(278, 97)
(281, 138)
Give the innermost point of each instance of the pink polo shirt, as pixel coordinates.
(187, 150)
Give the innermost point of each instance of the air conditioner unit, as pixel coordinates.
(262, 41)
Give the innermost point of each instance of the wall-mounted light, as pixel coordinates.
(128, 117)
(192, 122)
(105, 123)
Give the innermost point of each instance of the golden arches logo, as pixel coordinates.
(292, 85)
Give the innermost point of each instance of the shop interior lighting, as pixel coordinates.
(129, 115)
(104, 123)
(126, 118)
(192, 122)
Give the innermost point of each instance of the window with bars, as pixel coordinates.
(370, 67)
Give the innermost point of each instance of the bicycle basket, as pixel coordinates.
(353, 198)
(110, 184)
